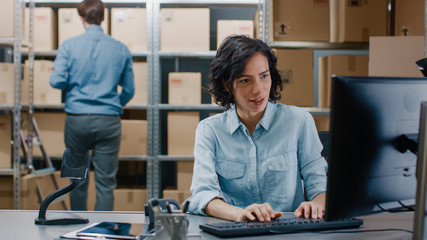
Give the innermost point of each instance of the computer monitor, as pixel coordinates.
(370, 167)
(420, 216)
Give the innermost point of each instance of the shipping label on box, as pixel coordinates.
(44, 38)
(181, 132)
(129, 26)
(5, 141)
(296, 69)
(140, 73)
(226, 28)
(71, 25)
(185, 88)
(184, 29)
(134, 138)
(306, 20)
(7, 83)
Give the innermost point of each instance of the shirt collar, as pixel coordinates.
(233, 121)
(94, 28)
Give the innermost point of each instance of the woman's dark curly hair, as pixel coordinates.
(92, 11)
(229, 63)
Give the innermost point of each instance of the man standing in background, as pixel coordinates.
(89, 68)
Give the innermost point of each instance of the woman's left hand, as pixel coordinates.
(313, 209)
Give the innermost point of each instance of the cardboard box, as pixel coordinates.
(356, 21)
(179, 195)
(181, 132)
(409, 18)
(7, 89)
(70, 24)
(226, 28)
(5, 140)
(184, 29)
(185, 88)
(340, 65)
(296, 68)
(184, 174)
(306, 20)
(43, 93)
(51, 126)
(322, 122)
(44, 38)
(30, 199)
(140, 72)
(126, 199)
(129, 25)
(395, 56)
(7, 15)
(134, 138)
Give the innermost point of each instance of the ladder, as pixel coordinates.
(34, 139)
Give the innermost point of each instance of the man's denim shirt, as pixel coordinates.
(276, 164)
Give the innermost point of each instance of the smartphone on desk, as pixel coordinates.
(112, 230)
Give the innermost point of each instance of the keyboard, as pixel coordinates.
(277, 226)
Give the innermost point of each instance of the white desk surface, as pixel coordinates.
(19, 224)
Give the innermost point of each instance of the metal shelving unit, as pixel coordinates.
(16, 43)
(158, 55)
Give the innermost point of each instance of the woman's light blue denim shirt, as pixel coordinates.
(276, 164)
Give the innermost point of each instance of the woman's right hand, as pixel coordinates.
(261, 212)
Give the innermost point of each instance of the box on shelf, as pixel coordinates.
(7, 83)
(179, 195)
(181, 132)
(7, 11)
(30, 196)
(356, 21)
(5, 141)
(70, 24)
(226, 28)
(128, 199)
(45, 20)
(409, 18)
(184, 174)
(184, 29)
(129, 25)
(140, 73)
(51, 126)
(43, 93)
(134, 138)
(395, 56)
(296, 68)
(185, 88)
(340, 65)
(322, 122)
(306, 20)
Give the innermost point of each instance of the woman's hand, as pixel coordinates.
(313, 209)
(261, 212)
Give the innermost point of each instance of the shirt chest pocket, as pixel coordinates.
(230, 176)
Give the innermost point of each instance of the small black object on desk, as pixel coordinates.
(76, 175)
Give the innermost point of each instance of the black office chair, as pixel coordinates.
(325, 137)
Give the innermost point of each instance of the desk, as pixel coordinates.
(19, 224)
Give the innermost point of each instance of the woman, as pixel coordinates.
(250, 160)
